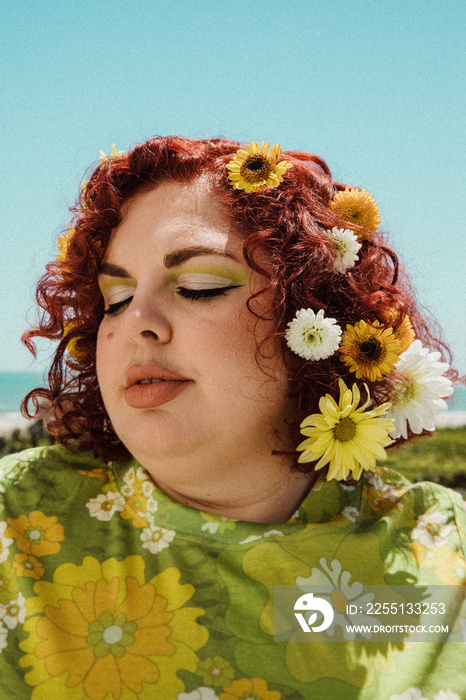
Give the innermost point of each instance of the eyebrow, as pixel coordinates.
(171, 260)
(180, 256)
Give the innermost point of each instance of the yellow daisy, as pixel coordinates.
(255, 168)
(347, 437)
(370, 350)
(84, 198)
(357, 207)
(63, 244)
(113, 154)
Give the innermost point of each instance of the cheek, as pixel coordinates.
(104, 355)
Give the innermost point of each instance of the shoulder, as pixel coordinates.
(42, 470)
(419, 507)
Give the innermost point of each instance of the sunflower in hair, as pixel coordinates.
(405, 331)
(370, 350)
(255, 168)
(357, 207)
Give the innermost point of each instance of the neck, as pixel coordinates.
(266, 491)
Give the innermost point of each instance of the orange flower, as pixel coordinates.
(357, 207)
(134, 509)
(103, 475)
(449, 566)
(36, 534)
(27, 565)
(97, 632)
(249, 688)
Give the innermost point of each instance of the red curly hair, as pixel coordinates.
(288, 222)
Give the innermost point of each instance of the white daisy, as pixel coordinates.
(447, 695)
(312, 336)
(418, 390)
(431, 530)
(346, 248)
(105, 505)
(203, 693)
(156, 538)
(410, 694)
(350, 513)
(13, 612)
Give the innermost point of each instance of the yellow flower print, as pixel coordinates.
(249, 689)
(448, 567)
(102, 474)
(100, 631)
(9, 587)
(215, 671)
(289, 559)
(27, 565)
(36, 533)
(139, 509)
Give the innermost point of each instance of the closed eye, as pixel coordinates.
(208, 293)
(114, 308)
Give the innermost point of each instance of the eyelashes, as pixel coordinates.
(113, 308)
(193, 294)
(204, 293)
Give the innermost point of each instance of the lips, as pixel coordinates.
(149, 386)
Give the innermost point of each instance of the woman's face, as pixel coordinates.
(176, 349)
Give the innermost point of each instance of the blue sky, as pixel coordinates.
(377, 89)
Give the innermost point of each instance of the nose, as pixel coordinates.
(147, 318)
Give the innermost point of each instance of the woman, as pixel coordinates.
(209, 301)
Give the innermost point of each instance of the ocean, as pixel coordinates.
(15, 385)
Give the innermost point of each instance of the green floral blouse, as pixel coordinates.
(110, 590)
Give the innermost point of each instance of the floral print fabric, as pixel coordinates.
(110, 590)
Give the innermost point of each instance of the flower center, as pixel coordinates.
(215, 671)
(112, 634)
(372, 350)
(345, 430)
(35, 535)
(339, 601)
(13, 610)
(312, 336)
(405, 391)
(256, 168)
(433, 529)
